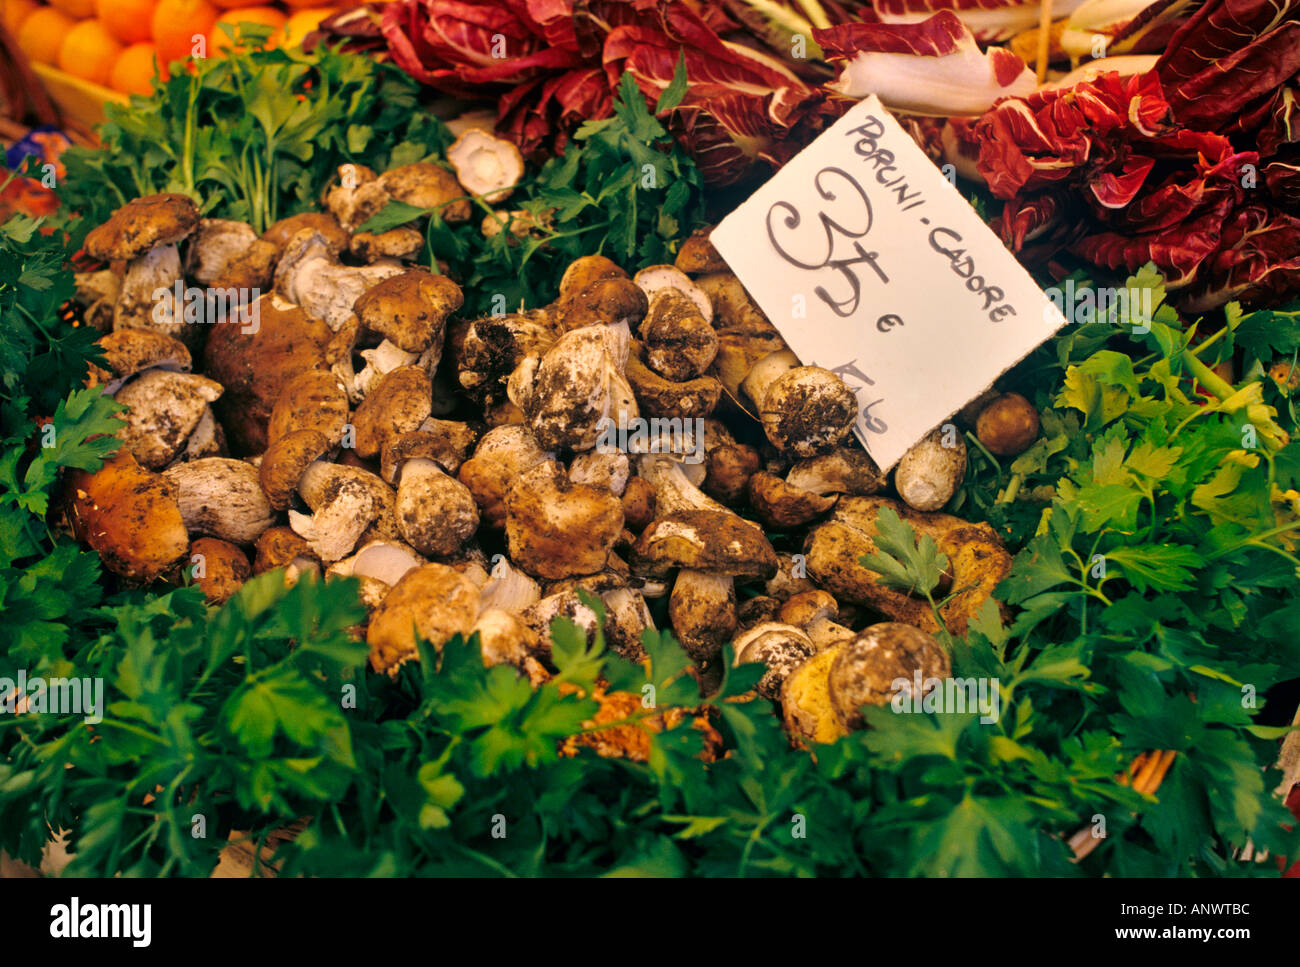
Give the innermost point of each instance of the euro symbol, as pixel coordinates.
(888, 322)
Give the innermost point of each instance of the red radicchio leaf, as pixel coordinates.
(989, 20)
(1258, 261)
(1229, 55)
(741, 105)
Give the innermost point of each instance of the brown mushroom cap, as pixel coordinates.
(224, 568)
(163, 409)
(254, 367)
(253, 268)
(698, 256)
(780, 505)
(130, 516)
(582, 272)
(556, 528)
(728, 469)
(808, 410)
(804, 608)
(638, 503)
(604, 302)
(845, 470)
(312, 400)
(427, 185)
(1008, 426)
(434, 602)
(403, 242)
(399, 403)
(705, 540)
(130, 351)
(323, 223)
(286, 460)
(410, 310)
(420, 445)
(867, 667)
(279, 547)
(143, 224)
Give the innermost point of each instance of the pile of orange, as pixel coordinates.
(122, 43)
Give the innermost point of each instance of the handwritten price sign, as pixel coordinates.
(872, 265)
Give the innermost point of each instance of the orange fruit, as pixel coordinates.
(134, 70)
(236, 4)
(89, 52)
(130, 21)
(219, 43)
(76, 9)
(42, 33)
(303, 22)
(180, 25)
(14, 12)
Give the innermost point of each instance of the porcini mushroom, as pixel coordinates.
(434, 602)
(556, 528)
(486, 165)
(805, 410)
(869, 668)
(221, 498)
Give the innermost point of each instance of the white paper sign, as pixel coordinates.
(871, 264)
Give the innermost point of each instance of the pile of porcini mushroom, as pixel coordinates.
(349, 421)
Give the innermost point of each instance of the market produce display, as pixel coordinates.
(424, 493)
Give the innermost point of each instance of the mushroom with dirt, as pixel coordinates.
(778, 646)
(436, 513)
(879, 662)
(834, 549)
(310, 275)
(929, 474)
(556, 528)
(805, 410)
(130, 516)
(344, 502)
(433, 602)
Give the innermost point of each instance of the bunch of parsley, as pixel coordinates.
(623, 188)
(253, 136)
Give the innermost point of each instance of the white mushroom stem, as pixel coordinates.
(765, 372)
(656, 278)
(509, 589)
(386, 561)
(673, 490)
(702, 609)
(148, 296)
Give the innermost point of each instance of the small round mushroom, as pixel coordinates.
(434, 602)
(281, 547)
(929, 474)
(679, 342)
(1008, 426)
(805, 410)
(869, 668)
(638, 503)
(697, 255)
(321, 223)
(815, 612)
(781, 647)
(436, 513)
(486, 165)
(219, 568)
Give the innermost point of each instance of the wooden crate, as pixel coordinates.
(80, 102)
